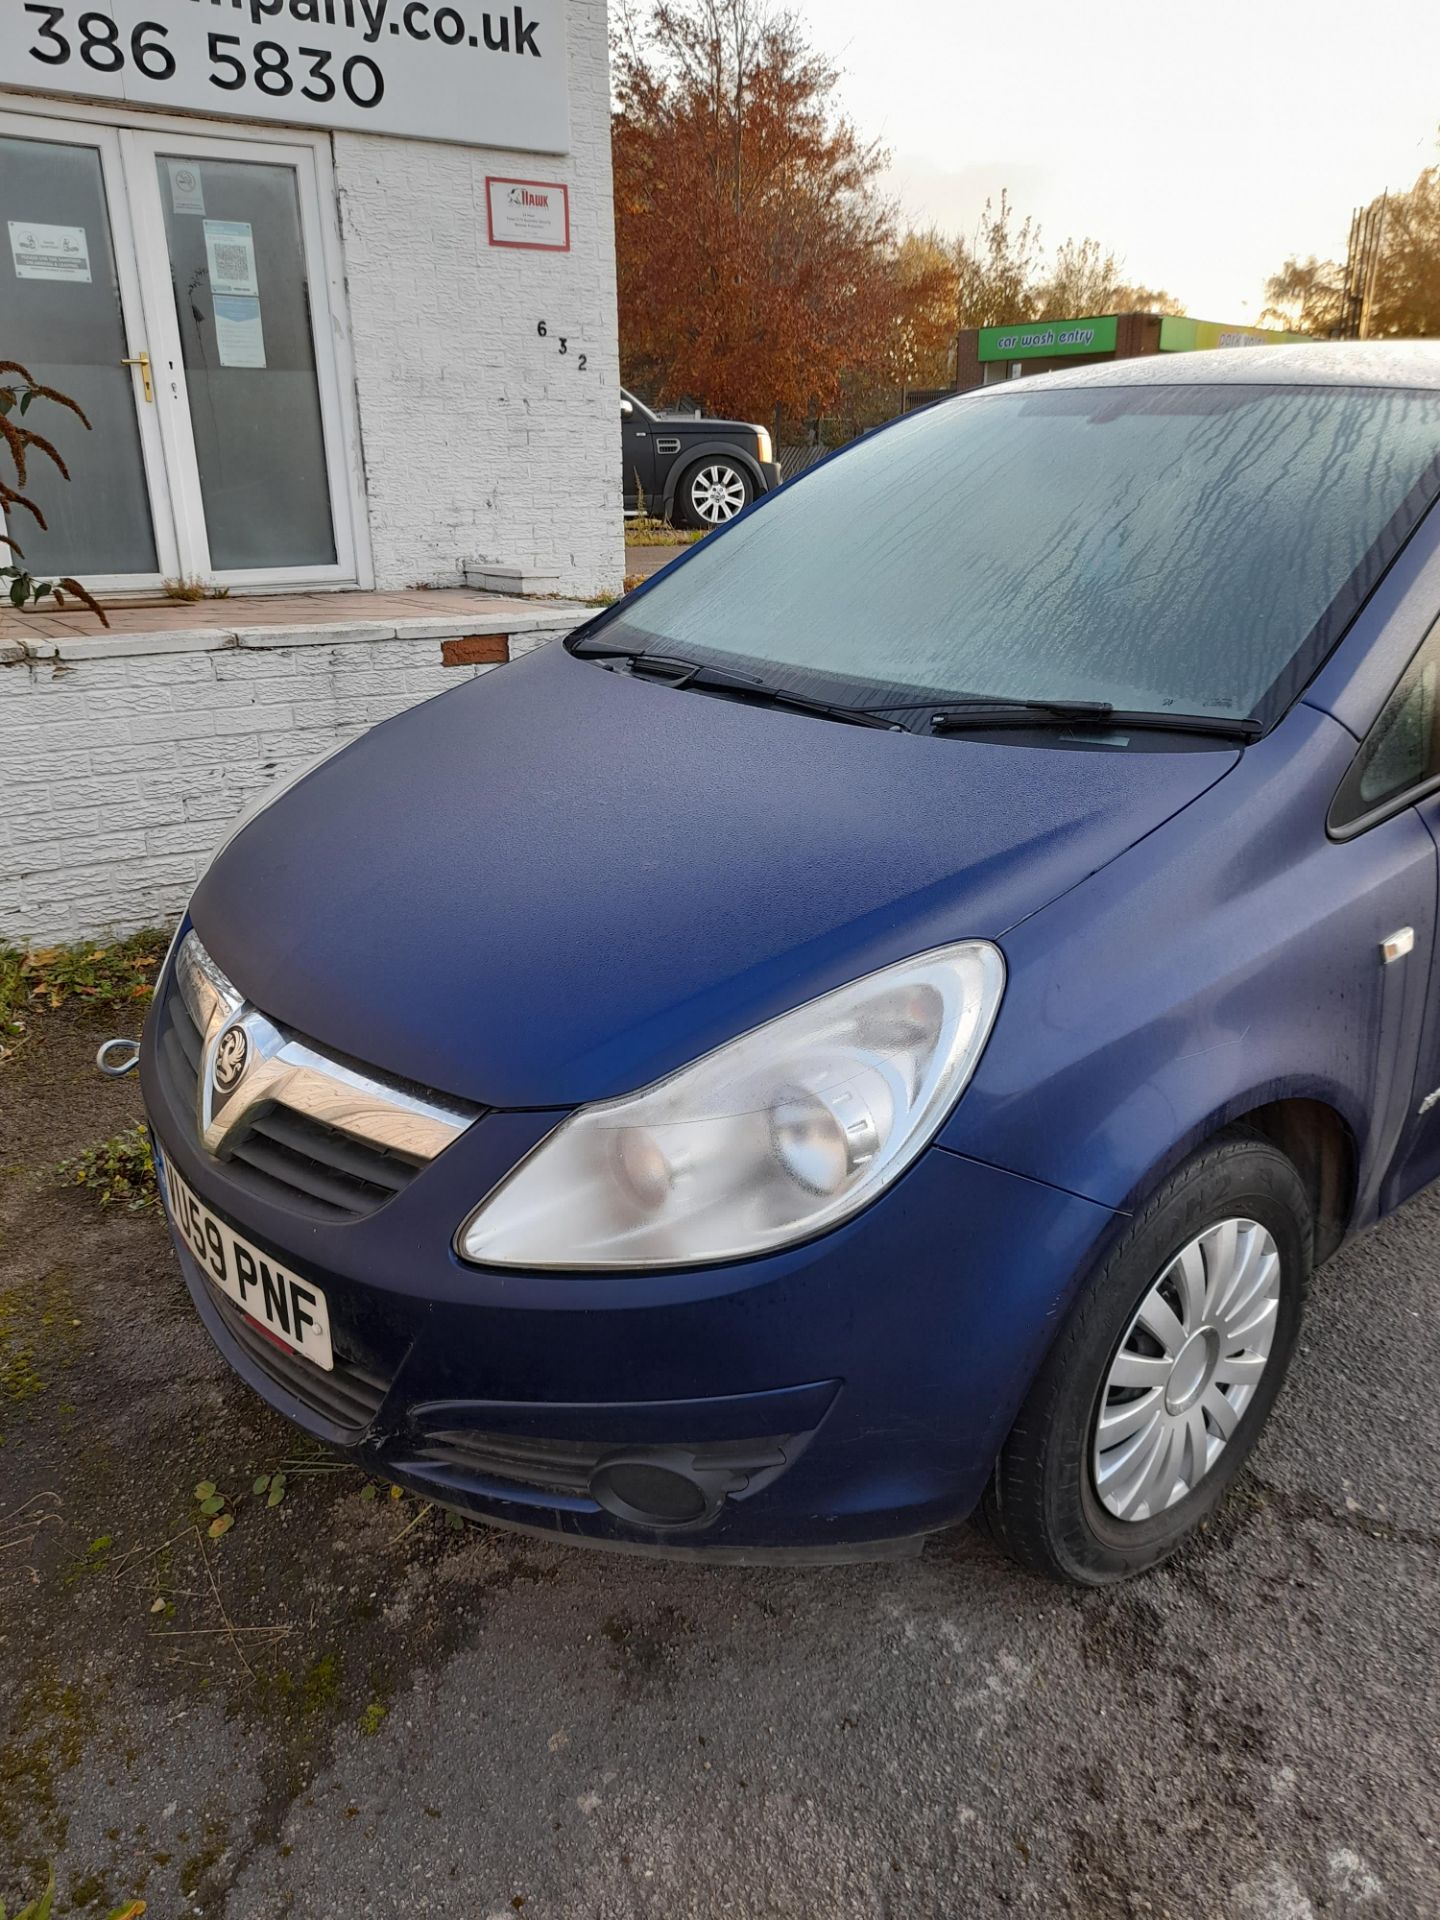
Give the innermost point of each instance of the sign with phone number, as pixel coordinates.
(487, 76)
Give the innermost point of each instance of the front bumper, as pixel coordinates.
(828, 1400)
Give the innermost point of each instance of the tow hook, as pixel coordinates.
(117, 1058)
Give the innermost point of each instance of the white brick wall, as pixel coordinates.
(121, 769)
(122, 761)
(481, 441)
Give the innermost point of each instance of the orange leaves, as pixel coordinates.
(752, 244)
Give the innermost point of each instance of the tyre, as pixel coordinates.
(712, 492)
(1166, 1370)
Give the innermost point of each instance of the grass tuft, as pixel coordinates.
(119, 1172)
(645, 531)
(117, 976)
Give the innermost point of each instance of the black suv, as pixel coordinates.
(695, 473)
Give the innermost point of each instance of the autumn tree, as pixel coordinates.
(759, 268)
(1003, 274)
(1305, 296)
(752, 241)
(1085, 277)
(916, 344)
(924, 287)
(997, 268)
(1402, 300)
(998, 273)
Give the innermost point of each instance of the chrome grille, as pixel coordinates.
(180, 1048)
(283, 1147)
(315, 1162)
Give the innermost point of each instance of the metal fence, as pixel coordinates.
(794, 460)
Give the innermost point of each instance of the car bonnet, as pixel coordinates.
(556, 883)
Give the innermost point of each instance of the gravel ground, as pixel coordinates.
(346, 1708)
(641, 562)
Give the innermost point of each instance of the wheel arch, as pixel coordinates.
(689, 457)
(1313, 1134)
(1318, 1143)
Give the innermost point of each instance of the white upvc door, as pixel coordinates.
(194, 309)
(242, 326)
(71, 314)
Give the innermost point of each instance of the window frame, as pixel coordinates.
(1341, 825)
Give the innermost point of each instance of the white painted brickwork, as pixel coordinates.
(483, 447)
(482, 443)
(121, 772)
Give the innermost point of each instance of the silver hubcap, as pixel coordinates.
(718, 494)
(1186, 1370)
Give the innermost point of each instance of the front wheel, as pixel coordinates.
(1157, 1388)
(713, 492)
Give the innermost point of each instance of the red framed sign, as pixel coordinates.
(533, 214)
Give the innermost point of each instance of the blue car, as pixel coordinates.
(884, 1021)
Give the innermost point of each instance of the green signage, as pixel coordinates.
(1048, 339)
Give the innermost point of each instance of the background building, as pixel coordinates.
(332, 279)
(987, 354)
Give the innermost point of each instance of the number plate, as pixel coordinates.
(292, 1311)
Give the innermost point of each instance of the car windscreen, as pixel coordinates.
(1192, 549)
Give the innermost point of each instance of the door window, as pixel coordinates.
(242, 303)
(61, 318)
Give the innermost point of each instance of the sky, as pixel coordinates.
(1203, 143)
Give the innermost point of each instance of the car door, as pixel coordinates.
(637, 437)
(1398, 768)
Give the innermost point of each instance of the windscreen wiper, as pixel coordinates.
(663, 666)
(725, 680)
(823, 709)
(968, 716)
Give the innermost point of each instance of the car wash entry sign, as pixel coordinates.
(481, 75)
(1046, 340)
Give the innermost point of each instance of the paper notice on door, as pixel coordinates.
(239, 331)
(43, 252)
(230, 250)
(187, 189)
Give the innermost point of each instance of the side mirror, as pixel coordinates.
(627, 409)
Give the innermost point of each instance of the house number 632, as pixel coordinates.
(582, 360)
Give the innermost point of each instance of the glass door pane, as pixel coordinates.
(242, 303)
(61, 317)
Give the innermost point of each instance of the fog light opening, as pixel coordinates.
(654, 1492)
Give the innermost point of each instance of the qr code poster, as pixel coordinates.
(230, 250)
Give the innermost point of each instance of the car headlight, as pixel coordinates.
(766, 452)
(771, 1139)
